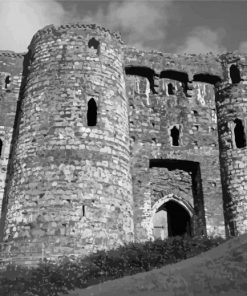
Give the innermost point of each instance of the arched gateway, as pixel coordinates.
(172, 216)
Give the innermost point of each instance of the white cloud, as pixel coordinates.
(203, 40)
(243, 46)
(20, 20)
(142, 23)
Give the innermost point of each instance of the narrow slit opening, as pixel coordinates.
(92, 113)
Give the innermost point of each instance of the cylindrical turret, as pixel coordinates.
(71, 185)
(231, 104)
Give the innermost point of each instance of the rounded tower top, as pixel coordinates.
(58, 30)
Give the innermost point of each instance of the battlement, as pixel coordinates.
(77, 28)
(11, 54)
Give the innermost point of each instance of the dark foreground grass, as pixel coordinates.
(50, 278)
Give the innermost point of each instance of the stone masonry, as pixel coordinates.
(96, 137)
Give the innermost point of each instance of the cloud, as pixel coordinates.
(243, 46)
(203, 40)
(20, 20)
(141, 23)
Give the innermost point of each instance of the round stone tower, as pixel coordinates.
(70, 187)
(231, 105)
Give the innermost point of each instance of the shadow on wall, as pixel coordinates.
(175, 75)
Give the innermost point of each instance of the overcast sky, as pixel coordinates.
(167, 25)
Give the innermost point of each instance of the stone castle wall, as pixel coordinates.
(11, 67)
(78, 186)
(152, 115)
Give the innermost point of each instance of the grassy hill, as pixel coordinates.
(151, 268)
(220, 271)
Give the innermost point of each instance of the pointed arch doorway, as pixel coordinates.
(172, 216)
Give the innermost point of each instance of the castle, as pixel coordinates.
(104, 144)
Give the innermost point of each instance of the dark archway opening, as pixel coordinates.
(170, 89)
(92, 113)
(235, 74)
(171, 219)
(239, 134)
(175, 136)
(179, 221)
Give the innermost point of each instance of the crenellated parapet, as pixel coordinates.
(11, 54)
(159, 61)
(79, 29)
